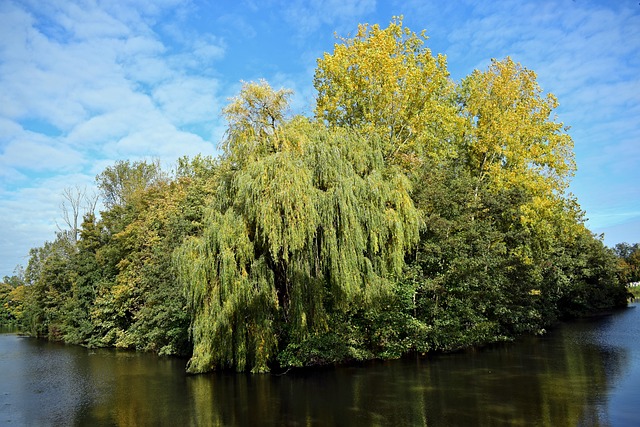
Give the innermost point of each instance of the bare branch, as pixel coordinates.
(72, 197)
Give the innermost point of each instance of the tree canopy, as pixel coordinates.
(410, 214)
(317, 216)
(387, 84)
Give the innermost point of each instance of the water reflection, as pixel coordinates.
(584, 373)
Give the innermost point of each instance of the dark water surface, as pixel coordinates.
(582, 373)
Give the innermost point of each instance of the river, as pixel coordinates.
(585, 373)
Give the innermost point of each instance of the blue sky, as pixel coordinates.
(85, 83)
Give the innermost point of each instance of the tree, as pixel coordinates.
(510, 137)
(591, 282)
(120, 182)
(464, 286)
(49, 278)
(123, 188)
(311, 225)
(138, 301)
(411, 214)
(628, 261)
(385, 82)
(253, 117)
(12, 293)
(146, 298)
(6, 316)
(78, 326)
(511, 142)
(73, 211)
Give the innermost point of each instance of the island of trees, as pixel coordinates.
(409, 214)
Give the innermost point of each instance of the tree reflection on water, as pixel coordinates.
(570, 377)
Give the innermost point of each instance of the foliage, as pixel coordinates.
(510, 136)
(120, 182)
(592, 283)
(315, 224)
(50, 279)
(115, 285)
(412, 214)
(385, 82)
(628, 261)
(12, 294)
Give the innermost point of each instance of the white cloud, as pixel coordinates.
(42, 78)
(187, 100)
(84, 84)
(240, 26)
(88, 22)
(104, 128)
(308, 16)
(164, 142)
(31, 215)
(39, 153)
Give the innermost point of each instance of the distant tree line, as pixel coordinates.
(409, 214)
(628, 261)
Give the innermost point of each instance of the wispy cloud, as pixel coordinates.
(84, 84)
(307, 16)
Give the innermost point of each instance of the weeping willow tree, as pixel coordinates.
(307, 221)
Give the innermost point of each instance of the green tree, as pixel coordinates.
(78, 326)
(123, 187)
(411, 214)
(146, 287)
(138, 300)
(118, 183)
(512, 144)
(591, 280)
(12, 295)
(6, 317)
(628, 261)
(465, 287)
(49, 279)
(253, 119)
(314, 224)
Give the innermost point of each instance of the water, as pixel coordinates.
(582, 373)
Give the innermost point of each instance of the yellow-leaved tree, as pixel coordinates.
(386, 82)
(511, 139)
(511, 136)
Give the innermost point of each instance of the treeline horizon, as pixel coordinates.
(409, 214)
